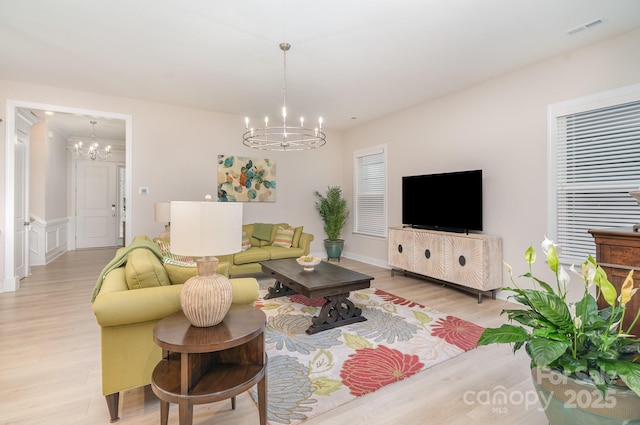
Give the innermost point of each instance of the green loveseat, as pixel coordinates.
(132, 294)
(264, 247)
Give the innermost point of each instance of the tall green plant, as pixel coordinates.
(332, 208)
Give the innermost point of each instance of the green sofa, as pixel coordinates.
(134, 291)
(267, 246)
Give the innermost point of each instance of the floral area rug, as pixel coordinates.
(312, 374)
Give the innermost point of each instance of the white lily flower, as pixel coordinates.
(577, 322)
(563, 277)
(614, 325)
(547, 244)
(589, 273)
(575, 271)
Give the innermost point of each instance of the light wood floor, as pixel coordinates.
(50, 362)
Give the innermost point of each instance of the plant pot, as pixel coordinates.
(568, 401)
(334, 248)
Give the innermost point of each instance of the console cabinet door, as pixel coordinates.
(464, 261)
(429, 255)
(401, 249)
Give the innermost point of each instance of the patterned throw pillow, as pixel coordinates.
(163, 244)
(169, 258)
(284, 237)
(246, 243)
(190, 262)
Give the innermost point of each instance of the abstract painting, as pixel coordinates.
(242, 179)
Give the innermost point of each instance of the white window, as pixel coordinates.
(594, 162)
(370, 212)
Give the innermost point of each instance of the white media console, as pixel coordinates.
(472, 261)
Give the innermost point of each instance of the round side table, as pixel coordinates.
(204, 365)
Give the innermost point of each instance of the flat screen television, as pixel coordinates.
(445, 201)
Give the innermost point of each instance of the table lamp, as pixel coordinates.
(162, 214)
(205, 229)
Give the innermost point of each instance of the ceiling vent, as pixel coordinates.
(585, 26)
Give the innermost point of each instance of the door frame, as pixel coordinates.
(21, 166)
(11, 282)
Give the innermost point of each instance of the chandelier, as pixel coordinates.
(92, 151)
(284, 136)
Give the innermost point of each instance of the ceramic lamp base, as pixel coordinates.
(166, 233)
(206, 298)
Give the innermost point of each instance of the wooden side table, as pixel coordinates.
(204, 365)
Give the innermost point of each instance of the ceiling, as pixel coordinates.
(78, 128)
(351, 61)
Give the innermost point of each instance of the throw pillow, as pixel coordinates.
(284, 237)
(144, 270)
(296, 237)
(246, 243)
(262, 231)
(171, 258)
(179, 273)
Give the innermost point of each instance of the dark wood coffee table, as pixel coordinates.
(327, 280)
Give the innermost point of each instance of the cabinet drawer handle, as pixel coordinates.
(400, 249)
(427, 253)
(462, 260)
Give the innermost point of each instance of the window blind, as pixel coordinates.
(598, 163)
(370, 193)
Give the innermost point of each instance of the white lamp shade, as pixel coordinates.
(206, 228)
(162, 212)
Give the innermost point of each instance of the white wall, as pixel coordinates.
(48, 178)
(174, 153)
(47, 195)
(499, 126)
(37, 176)
(56, 180)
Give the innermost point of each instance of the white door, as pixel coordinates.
(96, 204)
(21, 215)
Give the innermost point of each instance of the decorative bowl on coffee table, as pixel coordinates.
(308, 262)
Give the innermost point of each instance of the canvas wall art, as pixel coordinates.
(242, 179)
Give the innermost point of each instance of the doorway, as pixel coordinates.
(14, 238)
(96, 212)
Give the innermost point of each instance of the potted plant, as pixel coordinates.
(576, 345)
(332, 208)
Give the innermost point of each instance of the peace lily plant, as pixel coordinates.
(577, 339)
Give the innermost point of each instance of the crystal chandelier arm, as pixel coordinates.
(92, 152)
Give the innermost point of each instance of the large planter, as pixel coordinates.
(334, 248)
(569, 401)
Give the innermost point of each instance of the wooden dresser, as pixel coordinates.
(617, 252)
